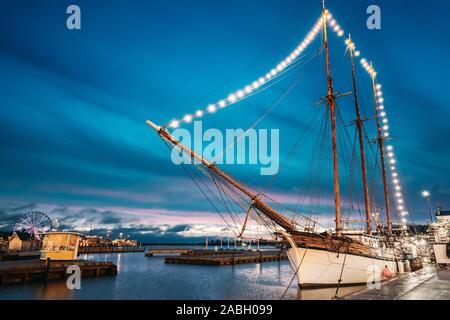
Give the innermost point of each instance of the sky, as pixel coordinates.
(73, 103)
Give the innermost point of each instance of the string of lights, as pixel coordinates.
(398, 194)
(249, 89)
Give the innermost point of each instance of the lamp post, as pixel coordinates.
(426, 195)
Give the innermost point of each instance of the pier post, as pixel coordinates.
(47, 268)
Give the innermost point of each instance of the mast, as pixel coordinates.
(359, 125)
(332, 104)
(279, 219)
(380, 141)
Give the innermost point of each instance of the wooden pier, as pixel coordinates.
(22, 272)
(109, 249)
(189, 252)
(222, 258)
(221, 252)
(19, 255)
(165, 251)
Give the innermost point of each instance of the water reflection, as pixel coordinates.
(119, 265)
(53, 291)
(142, 277)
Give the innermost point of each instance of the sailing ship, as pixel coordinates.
(340, 257)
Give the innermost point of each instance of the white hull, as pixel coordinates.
(440, 252)
(324, 268)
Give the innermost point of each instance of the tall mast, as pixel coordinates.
(380, 141)
(279, 219)
(332, 104)
(359, 125)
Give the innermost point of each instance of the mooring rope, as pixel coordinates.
(295, 275)
(340, 277)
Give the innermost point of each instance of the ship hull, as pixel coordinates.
(440, 252)
(322, 268)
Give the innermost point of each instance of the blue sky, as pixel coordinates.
(73, 104)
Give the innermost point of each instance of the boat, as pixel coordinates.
(325, 258)
(439, 234)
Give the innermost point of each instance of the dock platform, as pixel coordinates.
(22, 272)
(425, 284)
(190, 252)
(109, 249)
(19, 255)
(166, 251)
(226, 257)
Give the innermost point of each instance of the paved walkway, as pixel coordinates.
(420, 285)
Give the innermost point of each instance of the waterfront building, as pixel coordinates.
(95, 241)
(60, 245)
(125, 243)
(22, 241)
(4, 236)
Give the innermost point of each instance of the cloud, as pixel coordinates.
(73, 140)
(178, 228)
(10, 213)
(145, 225)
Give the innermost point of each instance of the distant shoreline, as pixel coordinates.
(224, 243)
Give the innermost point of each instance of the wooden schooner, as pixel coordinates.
(327, 258)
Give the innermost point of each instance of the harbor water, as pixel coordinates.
(141, 277)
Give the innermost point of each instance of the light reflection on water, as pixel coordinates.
(143, 277)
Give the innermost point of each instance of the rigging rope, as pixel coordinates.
(270, 109)
(292, 58)
(203, 192)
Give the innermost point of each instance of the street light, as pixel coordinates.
(426, 194)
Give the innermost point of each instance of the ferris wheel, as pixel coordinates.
(34, 223)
